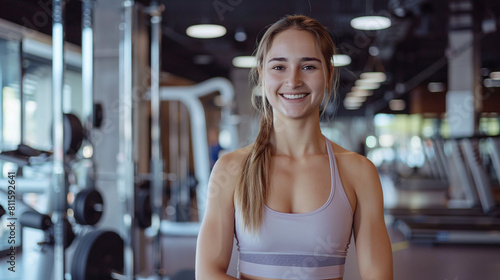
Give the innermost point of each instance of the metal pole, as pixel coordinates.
(58, 175)
(173, 144)
(22, 101)
(125, 156)
(88, 85)
(87, 63)
(184, 196)
(156, 157)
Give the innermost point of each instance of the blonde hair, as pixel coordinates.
(251, 192)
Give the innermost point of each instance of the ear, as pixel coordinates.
(259, 70)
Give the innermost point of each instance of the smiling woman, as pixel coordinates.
(293, 198)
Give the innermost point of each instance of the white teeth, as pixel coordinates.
(294, 96)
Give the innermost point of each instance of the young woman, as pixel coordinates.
(293, 198)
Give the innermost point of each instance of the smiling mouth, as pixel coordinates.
(294, 96)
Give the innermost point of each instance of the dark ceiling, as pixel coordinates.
(417, 39)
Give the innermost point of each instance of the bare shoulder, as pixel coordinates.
(232, 162)
(356, 170)
(227, 170)
(351, 159)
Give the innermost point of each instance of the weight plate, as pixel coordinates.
(98, 254)
(73, 134)
(70, 235)
(88, 206)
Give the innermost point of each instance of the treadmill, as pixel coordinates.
(473, 219)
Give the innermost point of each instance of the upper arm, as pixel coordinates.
(215, 240)
(373, 246)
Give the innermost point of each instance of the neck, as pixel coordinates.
(297, 137)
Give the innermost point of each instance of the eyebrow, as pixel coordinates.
(301, 60)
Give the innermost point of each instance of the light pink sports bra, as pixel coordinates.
(309, 245)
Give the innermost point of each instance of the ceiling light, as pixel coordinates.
(495, 75)
(366, 85)
(354, 99)
(359, 93)
(349, 105)
(339, 60)
(245, 61)
(352, 107)
(370, 23)
(374, 77)
(397, 105)
(435, 87)
(206, 31)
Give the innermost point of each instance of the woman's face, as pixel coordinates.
(293, 74)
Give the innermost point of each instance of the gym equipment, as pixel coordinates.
(98, 254)
(24, 155)
(2, 211)
(125, 169)
(88, 207)
(29, 217)
(478, 174)
(144, 211)
(462, 193)
(73, 134)
(471, 224)
(60, 191)
(69, 235)
(98, 115)
(433, 151)
(189, 96)
(494, 151)
(156, 155)
(36, 220)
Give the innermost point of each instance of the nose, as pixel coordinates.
(294, 79)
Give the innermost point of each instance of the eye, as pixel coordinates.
(309, 67)
(278, 67)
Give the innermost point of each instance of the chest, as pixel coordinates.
(299, 186)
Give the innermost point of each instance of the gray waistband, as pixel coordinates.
(291, 260)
